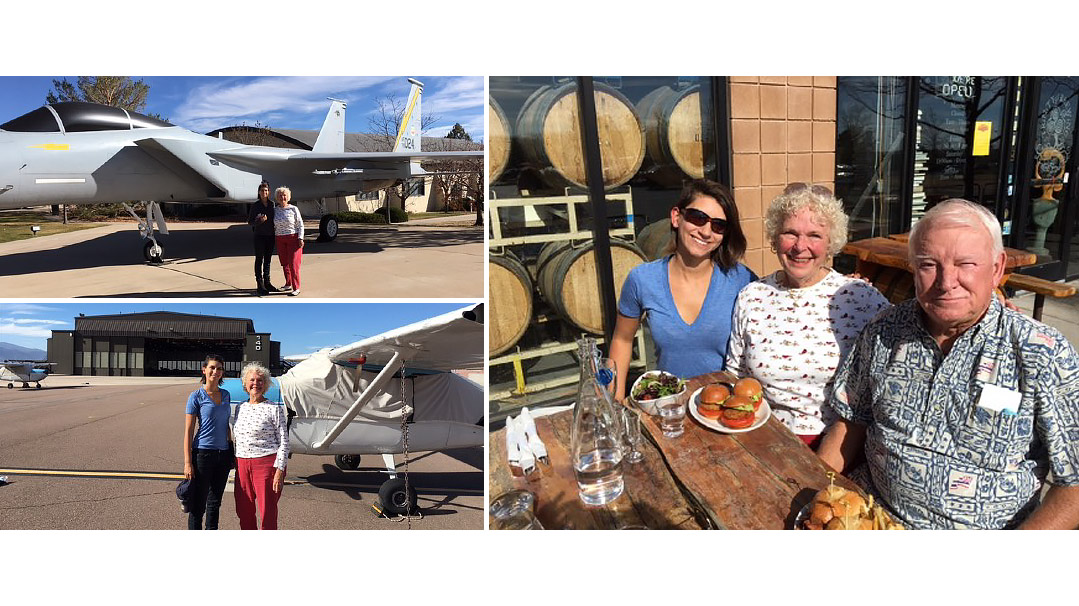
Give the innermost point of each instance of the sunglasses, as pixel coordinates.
(819, 190)
(699, 218)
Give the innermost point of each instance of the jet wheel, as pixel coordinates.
(10, 386)
(347, 461)
(327, 228)
(395, 500)
(38, 386)
(152, 252)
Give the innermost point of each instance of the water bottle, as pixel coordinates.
(596, 446)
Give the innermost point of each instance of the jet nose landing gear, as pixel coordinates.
(153, 252)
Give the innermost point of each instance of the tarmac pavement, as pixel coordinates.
(433, 258)
(121, 424)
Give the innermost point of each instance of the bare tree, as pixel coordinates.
(456, 179)
(385, 123)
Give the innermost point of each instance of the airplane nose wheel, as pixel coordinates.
(348, 461)
(10, 386)
(395, 500)
(153, 252)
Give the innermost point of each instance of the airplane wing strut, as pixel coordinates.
(373, 388)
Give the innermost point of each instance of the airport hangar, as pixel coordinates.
(159, 343)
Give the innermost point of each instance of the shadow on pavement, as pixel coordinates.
(125, 248)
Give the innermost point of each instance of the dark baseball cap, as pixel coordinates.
(185, 491)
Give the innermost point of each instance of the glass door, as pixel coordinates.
(960, 140)
(1049, 221)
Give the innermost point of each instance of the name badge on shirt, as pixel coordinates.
(962, 484)
(999, 399)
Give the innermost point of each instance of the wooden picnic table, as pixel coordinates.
(702, 479)
(884, 262)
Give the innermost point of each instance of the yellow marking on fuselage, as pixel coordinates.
(52, 146)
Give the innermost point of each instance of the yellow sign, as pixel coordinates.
(983, 132)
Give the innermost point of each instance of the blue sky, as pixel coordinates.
(203, 104)
(300, 327)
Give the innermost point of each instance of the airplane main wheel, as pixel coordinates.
(327, 228)
(347, 461)
(39, 386)
(152, 252)
(10, 386)
(394, 499)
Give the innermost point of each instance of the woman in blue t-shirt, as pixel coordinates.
(688, 295)
(208, 455)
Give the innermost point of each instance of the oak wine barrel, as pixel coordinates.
(672, 126)
(510, 300)
(498, 141)
(566, 276)
(654, 239)
(549, 134)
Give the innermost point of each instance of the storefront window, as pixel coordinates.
(870, 153)
(959, 140)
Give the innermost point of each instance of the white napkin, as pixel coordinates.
(535, 444)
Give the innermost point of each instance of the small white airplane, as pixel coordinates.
(389, 394)
(85, 153)
(26, 371)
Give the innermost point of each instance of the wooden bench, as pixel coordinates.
(1041, 288)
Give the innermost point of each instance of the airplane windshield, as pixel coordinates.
(80, 117)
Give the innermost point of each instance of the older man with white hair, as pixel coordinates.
(961, 407)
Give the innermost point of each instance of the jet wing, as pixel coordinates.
(451, 341)
(379, 165)
(182, 158)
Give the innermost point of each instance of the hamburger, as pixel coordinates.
(835, 508)
(737, 412)
(710, 402)
(749, 388)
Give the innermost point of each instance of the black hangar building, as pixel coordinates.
(159, 343)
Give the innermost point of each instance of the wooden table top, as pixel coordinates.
(702, 479)
(892, 252)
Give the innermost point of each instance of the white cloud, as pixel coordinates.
(233, 101)
(8, 328)
(25, 309)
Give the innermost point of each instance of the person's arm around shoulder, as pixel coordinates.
(735, 362)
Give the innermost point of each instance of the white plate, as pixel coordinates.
(761, 417)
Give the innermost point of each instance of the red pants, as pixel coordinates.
(290, 254)
(254, 484)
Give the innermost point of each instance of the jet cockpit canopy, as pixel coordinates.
(79, 116)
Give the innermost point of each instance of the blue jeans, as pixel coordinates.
(211, 475)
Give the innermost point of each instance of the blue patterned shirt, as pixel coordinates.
(936, 455)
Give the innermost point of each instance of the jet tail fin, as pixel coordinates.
(408, 138)
(331, 139)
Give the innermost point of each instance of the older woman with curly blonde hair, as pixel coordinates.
(288, 232)
(260, 428)
(791, 328)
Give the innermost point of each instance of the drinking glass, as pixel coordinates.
(672, 414)
(514, 510)
(631, 424)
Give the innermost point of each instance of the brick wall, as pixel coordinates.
(782, 131)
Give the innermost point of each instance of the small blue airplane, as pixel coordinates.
(26, 371)
(86, 153)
